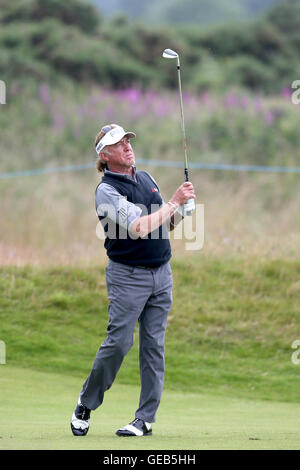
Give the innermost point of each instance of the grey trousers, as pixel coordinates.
(141, 295)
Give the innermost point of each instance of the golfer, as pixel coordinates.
(138, 278)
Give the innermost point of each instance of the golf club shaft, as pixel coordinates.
(186, 171)
(189, 205)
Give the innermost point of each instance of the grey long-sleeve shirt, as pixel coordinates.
(110, 203)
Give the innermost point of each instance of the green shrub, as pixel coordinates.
(248, 72)
(68, 40)
(73, 12)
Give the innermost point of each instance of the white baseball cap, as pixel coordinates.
(112, 136)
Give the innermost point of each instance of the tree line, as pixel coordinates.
(53, 40)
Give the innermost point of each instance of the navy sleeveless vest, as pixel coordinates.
(149, 252)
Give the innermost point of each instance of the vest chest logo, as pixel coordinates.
(154, 190)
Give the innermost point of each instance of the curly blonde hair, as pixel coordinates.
(101, 165)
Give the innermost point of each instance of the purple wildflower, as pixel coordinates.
(269, 117)
(130, 94)
(231, 100)
(161, 109)
(286, 93)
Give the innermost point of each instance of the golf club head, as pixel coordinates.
(169, 54)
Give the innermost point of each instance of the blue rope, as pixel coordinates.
(46, 171)
(195, 165)
(224, 167)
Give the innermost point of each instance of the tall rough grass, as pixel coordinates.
(51, 218)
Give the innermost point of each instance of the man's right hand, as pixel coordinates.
(183, 194)
(147, 223)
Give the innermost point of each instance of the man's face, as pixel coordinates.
(120, 156)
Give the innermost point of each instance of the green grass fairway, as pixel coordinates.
(36, 407)
(230, 329)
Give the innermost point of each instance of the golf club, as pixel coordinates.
(189, 206)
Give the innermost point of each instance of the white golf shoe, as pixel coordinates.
(136, 428)
(80, 421)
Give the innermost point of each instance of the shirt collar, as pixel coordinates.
(108, 172)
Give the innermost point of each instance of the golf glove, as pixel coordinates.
(187, 208)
